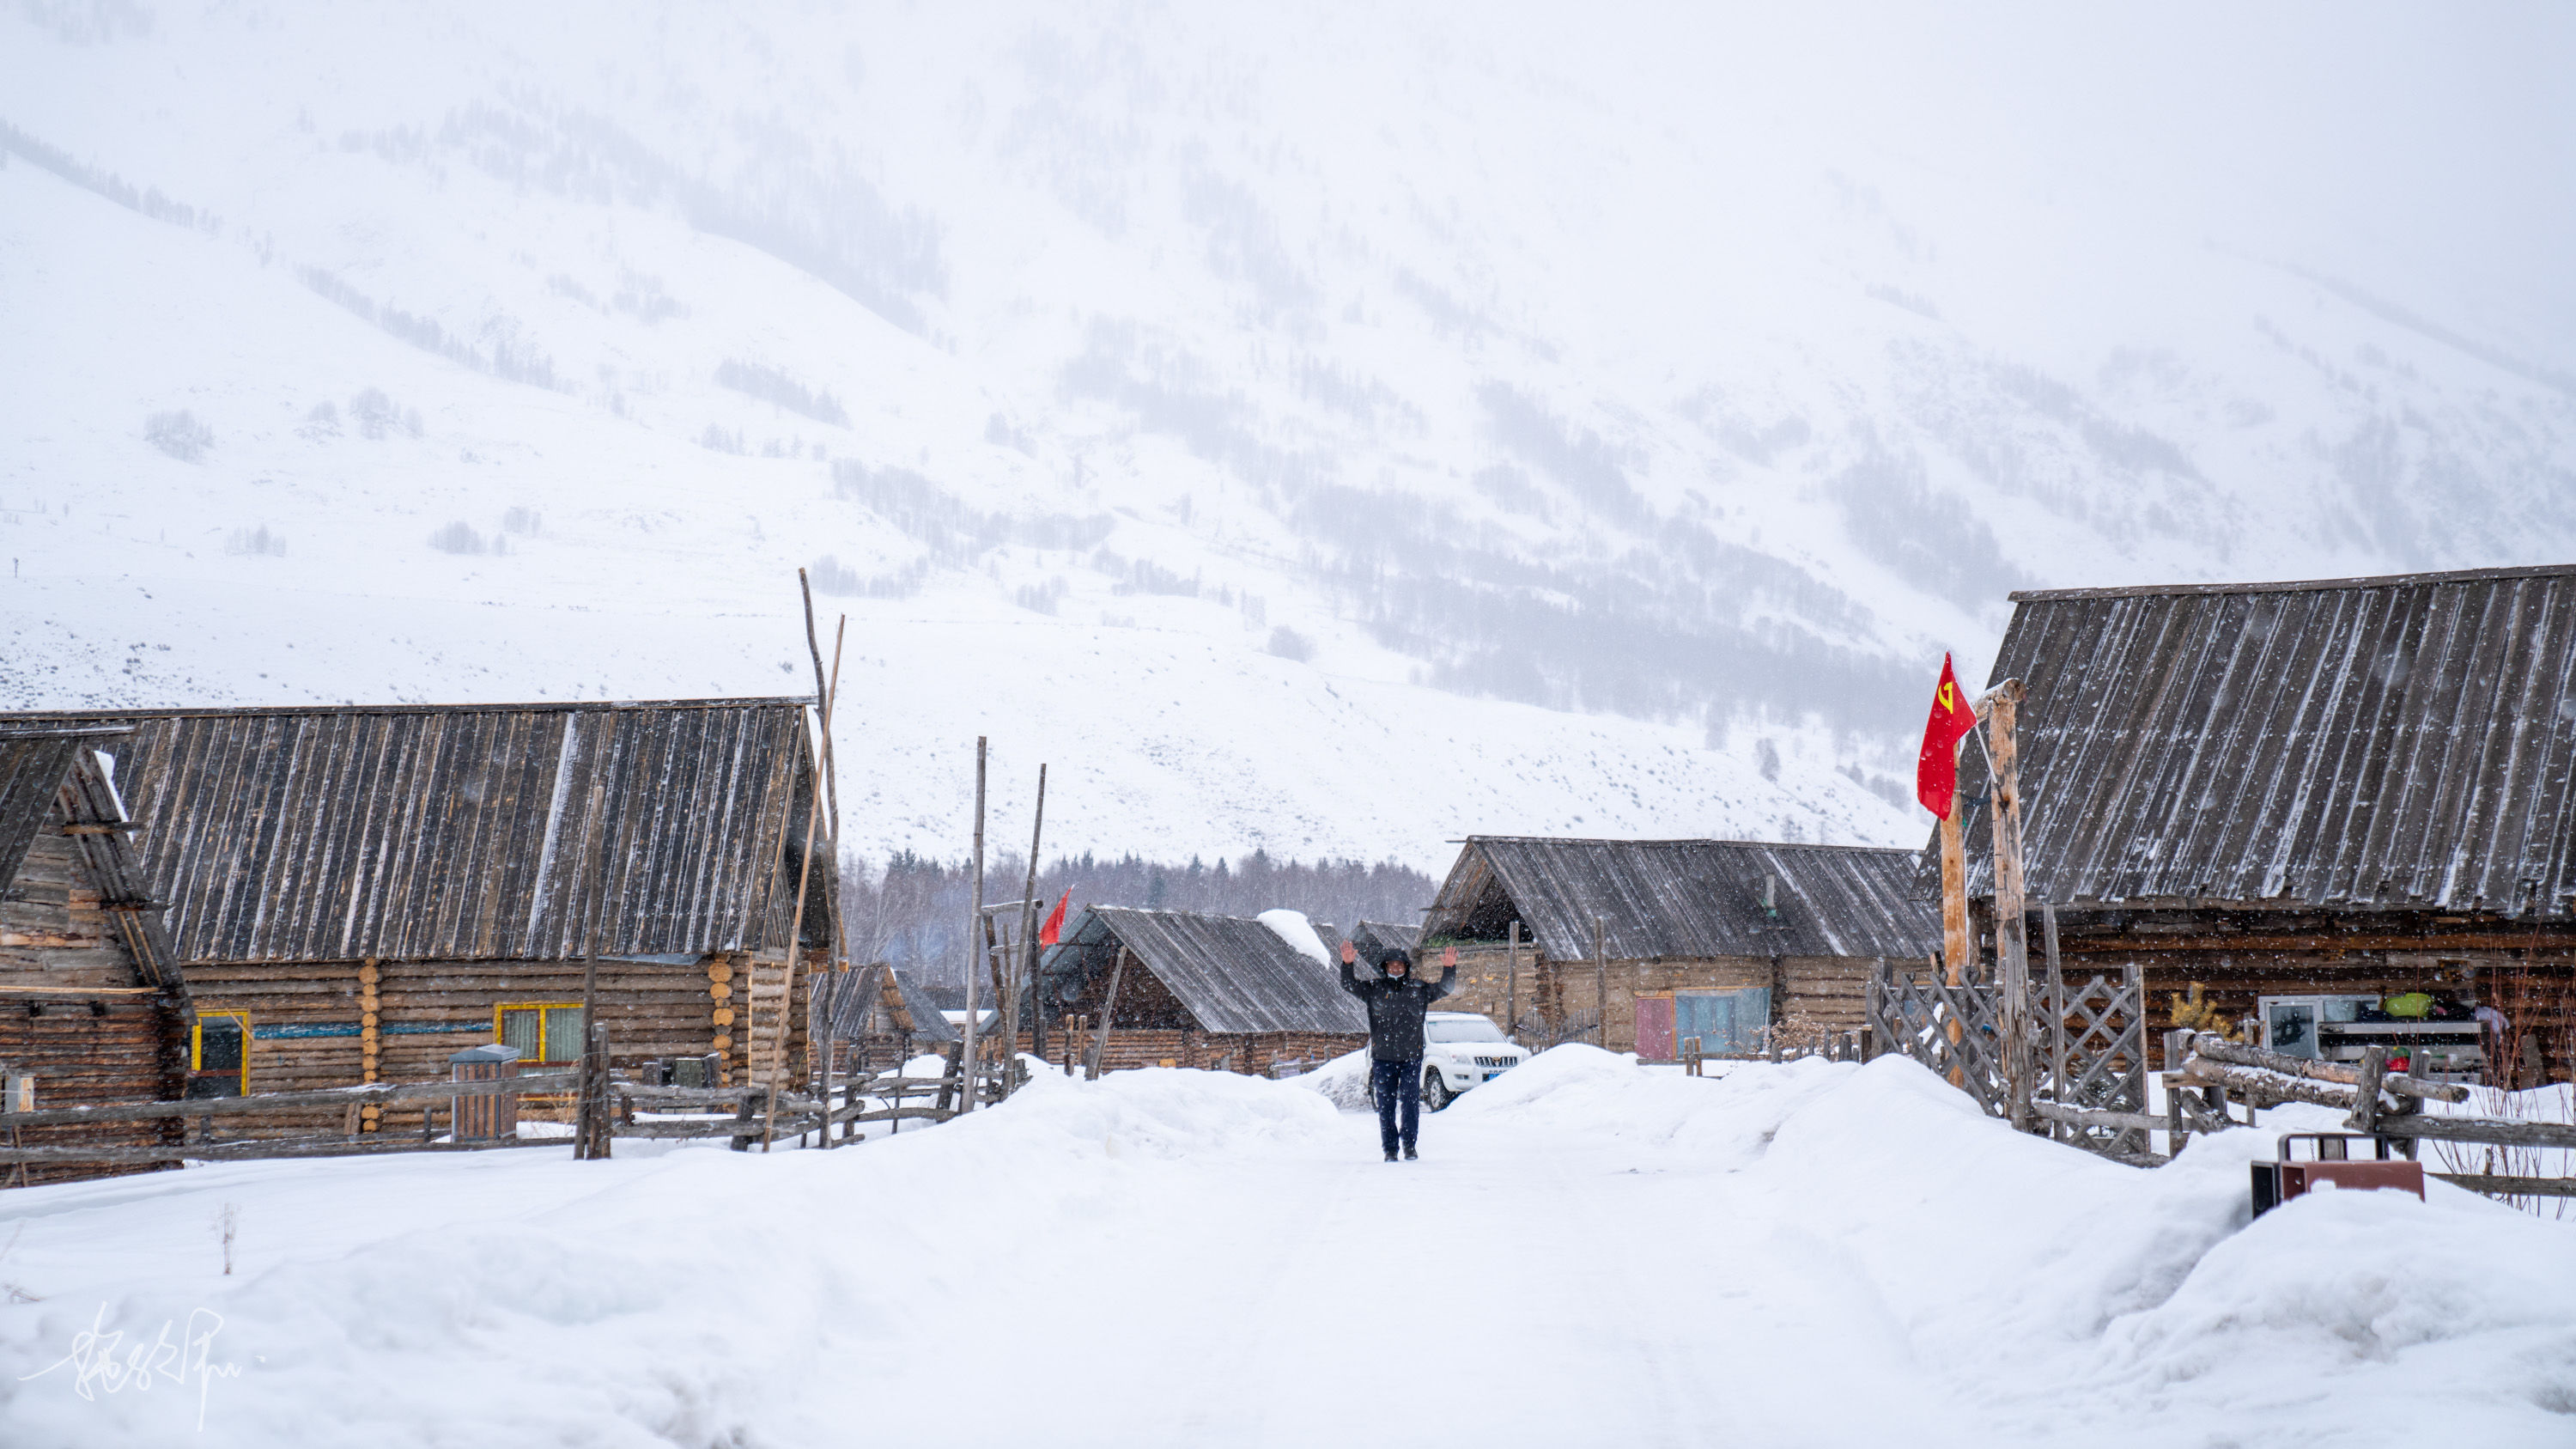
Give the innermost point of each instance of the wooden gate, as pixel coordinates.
(2097, 1058)
(1950, 1029)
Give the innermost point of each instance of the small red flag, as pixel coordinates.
(1936, 775)
(1053, 930)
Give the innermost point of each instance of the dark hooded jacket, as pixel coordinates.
(1395, 1007)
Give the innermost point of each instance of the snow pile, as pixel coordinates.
(1293, 928)
(1807, 1253)
(1343, 1081)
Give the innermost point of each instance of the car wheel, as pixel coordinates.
(1435, 1092)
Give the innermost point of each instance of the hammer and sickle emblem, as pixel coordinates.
(1949, 697)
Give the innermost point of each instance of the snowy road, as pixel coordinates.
(1590, 1253)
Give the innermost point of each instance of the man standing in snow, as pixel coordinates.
(1396, 1003)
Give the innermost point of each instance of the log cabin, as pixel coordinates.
(1640, 945)
(1182, 989)
(354, 893)
(92, 1009)
(2307, 800)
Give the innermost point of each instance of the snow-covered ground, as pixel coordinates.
(1589, 1253)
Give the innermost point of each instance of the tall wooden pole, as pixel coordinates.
(1028, 966)
(1600, 987)
(2012, 946)
(589, 1132)
(1512, 986)
(975, 949)
(1955, 945)
(787, 993)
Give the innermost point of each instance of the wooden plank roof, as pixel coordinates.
(33, 767)
(2400, 743)
(1233, 974)
(1685, 899)
(468, 832)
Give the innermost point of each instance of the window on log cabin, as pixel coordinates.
(219, 1054)
(543, 1031)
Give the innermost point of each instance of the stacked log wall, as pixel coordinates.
(121, 1044)
(2533, 983)
(308, 1031)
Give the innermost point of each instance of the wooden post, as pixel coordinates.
(1029, 943)
(2012, 950)
(1955, 945)
(977, 955)
(584, 1133)
(1600, 987)
(1512, 986)
(2057, 1020)
(787, 993)
(1108, 1015)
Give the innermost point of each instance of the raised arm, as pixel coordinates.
(1448, 972)
(1351, 982)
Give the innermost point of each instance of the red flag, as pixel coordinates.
(1053, 930)
(1936, 775)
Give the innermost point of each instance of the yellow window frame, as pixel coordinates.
(197, 1043)
(545, 1048)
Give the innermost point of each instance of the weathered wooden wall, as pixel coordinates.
(2527, 971)
(309, 1029)
(73, 1012)
(1827, 990)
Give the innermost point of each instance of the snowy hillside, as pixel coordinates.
(1306, 428)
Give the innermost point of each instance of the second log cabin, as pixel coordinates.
(355, 893)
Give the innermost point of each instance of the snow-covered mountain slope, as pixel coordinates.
(1316, 428)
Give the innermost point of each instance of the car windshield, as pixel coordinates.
(1475, 1028)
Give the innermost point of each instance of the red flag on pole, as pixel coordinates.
(1936, 775)
(1053, 930)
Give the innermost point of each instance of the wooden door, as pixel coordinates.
(1655, 1027)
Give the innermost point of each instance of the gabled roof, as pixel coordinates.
(1685, 899)
(850, 998)
(34, 763)
(46, 769)
(1233, 975)
(465, 832)
(2394, 743)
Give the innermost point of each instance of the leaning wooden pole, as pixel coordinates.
(795, 940)
(1028, 965)
(975, 951)
(2012, 926)
(1108, 1016)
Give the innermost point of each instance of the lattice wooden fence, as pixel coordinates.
(1911, 1010)
(2087, 1046)
(2096, 1058)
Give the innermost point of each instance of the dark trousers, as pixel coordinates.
(1397, 1085)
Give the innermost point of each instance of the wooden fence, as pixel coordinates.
(2084, 1052)
(635, 1110)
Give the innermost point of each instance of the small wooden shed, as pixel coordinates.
(92, 1009)
(2307, 799)
(1195, 990)
(1636, 945)
(355, 893)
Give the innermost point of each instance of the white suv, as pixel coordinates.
(1461, 1050)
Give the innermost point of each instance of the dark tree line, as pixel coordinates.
(912, 912)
